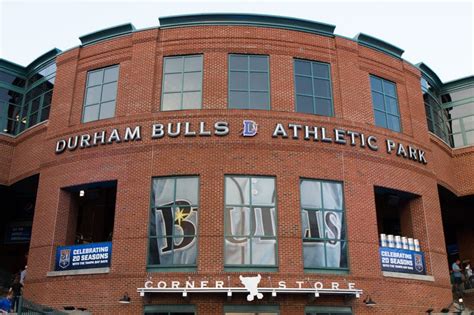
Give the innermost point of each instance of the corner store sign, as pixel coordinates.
(248, 129)
(250, 285)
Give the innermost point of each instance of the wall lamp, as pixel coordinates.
(369, 302)
(125, 299)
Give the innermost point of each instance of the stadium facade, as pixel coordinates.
(233, 164)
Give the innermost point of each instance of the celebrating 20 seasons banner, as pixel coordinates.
(402, 260)
(95, 255)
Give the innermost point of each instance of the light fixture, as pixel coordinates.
(369, 302)
(429, 311)
(125, 299)
(69, 308)
(81, 193)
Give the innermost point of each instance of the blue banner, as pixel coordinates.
(95, 255)
(18, 232)
(402, 260)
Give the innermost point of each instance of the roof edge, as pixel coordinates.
(430, 75)
(248, 19)
(38, 62)
(378, 44)
(12, 67)
(459, 83)
(106, 33)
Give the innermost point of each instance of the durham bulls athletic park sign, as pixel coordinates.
(249, 128)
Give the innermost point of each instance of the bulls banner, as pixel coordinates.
(86, 256)
(174, 221)
(402, 260)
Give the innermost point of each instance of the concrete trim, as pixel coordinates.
(78, 272)
(408, 276)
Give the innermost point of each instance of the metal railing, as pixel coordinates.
(30, 308)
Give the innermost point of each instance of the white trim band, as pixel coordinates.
(78, 272)
(408, 276)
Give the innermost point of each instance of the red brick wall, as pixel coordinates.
(133, 165)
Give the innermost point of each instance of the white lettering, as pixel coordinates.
(221, 128)
(318, 285)
(161, 285)
(114, 136)
(60, 146)
(157, 131)
(279, 131)
(132, 135)
(175, 284)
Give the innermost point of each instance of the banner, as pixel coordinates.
(95, 255)
(402, 260)
(18, 232)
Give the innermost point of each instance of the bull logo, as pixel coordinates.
(251, 284)
(418, 263)
(64, 258)
(250, 128)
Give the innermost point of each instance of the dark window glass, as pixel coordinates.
(313, 88)
(385, 103)
(9, 96)
(101, 93)
(324, 233)
(8, 78)
(173, 233)
(46, 72)
(250, 224)
(249, 82)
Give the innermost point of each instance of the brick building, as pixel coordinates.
(182, 164)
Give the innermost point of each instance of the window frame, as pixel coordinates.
(249, 267)
(171, 308)
(182, 72)
(325, 269)
(86, 88)
(312, 77)
(251, 309)
(385, 112)
(172, 267)
(328, 310)
(248, 90)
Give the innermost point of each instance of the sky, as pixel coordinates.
(438, 33)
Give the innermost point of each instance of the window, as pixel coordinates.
(173, 222)
(327, 310)
(437, 117)
(101, 92)
(249, 86)
(313, 88)
(460, 105)
(182, 83)
(23, 108)
(251, 309)
(250, 221)
(323, 227)
(384, 99)
(170, 310)
(92, 212)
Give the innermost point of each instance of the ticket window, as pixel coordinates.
(91, 212)
(395, 211)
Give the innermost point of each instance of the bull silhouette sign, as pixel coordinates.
(251, 284)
